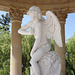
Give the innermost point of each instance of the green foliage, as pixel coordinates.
(26, 72)
(52, 44)
(6, 67)
(5, 40)
(4, 52)
(70, 56)
(4, 22)
(27, 44)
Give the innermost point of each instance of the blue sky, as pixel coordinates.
(69, 25)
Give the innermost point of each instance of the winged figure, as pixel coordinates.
(43, 30)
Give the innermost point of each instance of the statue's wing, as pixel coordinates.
(53, 28)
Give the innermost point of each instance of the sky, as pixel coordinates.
(69, 24)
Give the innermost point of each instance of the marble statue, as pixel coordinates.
(43, 61)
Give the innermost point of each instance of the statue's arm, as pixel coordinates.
(23, 29)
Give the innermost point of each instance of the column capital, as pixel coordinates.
(16, 14)
(61, 13)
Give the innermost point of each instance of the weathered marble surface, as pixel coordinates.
(50, 64)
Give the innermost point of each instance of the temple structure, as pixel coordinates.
(17, 8)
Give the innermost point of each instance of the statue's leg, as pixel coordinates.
(35, 67)
(37, 56)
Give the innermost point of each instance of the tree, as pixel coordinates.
(4, 52)
(27, 44)
(5, 40)
(70, 56)
(4, 22)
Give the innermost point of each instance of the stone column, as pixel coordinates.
(16, 55)
(62, 15)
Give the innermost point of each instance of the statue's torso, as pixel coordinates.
(43, 31)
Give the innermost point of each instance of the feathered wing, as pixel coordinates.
(53, 28)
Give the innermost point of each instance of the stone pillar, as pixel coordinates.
(16, 55)
(61, 50)
(62, 15)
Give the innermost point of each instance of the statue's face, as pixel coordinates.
(34, 15)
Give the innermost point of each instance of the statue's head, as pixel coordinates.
(34, 12)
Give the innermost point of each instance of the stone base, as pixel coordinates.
(50, 64)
